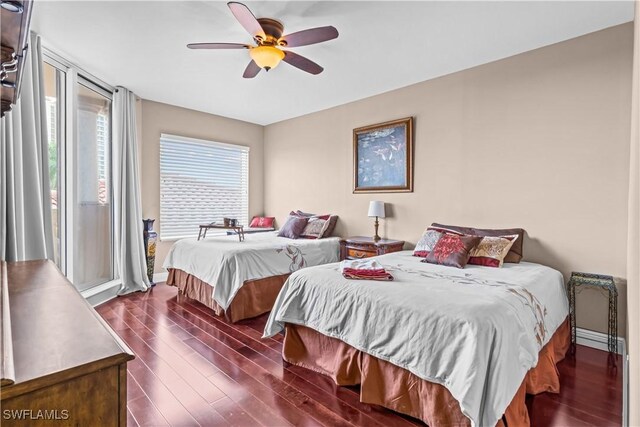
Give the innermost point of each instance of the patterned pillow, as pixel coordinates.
(452, 250)
(426, 243)
(315, 226)
(329, 226)
(262, 222)
(429, 239)
(491, 251)
(293, 227)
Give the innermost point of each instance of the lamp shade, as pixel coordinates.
(376, 208)
(267, 57)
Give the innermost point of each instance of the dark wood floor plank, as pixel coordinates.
(157, 392)
(283, 407)
(145, 413)
(192, 376)
(252, 405)
(234, 414)
(131, 421)
(133, 388)
(194, 368)
(201, 364)
(197, 407)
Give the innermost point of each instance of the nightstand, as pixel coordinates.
(365, 247)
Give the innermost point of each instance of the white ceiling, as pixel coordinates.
(382, 46)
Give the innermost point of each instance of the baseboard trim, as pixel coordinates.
(160, 277)
(598, 340)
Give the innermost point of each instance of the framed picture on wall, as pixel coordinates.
(383, 157)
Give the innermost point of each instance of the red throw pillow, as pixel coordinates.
(262, 222)
(452, 250)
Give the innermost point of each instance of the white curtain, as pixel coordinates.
(130, 256)
(25, 205)
(633, 250)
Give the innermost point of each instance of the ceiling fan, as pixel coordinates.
(267, 34)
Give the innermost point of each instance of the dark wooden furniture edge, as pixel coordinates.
(18, 43)
(57, 377)
(7, 373)
(67, 356)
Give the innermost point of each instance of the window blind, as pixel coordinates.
(201, 182)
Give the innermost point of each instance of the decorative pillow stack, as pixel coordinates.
(515, 253)
(456, 246)
(318, 226)
(262, 222)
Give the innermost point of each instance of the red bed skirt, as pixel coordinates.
(254, 298)
(395, 388)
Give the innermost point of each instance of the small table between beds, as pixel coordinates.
(238, 229)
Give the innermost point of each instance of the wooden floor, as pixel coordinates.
(192, 368)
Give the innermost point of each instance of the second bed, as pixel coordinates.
(242, 279)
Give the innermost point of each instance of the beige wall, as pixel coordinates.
(160, 118)
(539, 140)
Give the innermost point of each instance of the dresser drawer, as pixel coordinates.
(360, 253)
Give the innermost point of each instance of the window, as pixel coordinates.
(201, 182)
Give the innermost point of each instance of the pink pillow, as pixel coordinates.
(262, 222)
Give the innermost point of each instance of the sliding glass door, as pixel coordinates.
(79, 124)
(92, 210)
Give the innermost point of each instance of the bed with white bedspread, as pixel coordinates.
(226, 264)
(477, 331)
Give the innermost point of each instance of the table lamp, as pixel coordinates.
(376, 209)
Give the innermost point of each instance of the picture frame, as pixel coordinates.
(383, 157)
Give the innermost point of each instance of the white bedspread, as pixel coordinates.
(226, 263)
(477, 331)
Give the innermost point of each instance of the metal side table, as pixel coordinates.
(598, 281)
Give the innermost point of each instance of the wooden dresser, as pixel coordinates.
(69, 367)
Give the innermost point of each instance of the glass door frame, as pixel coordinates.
(61, 138)
(68, 102)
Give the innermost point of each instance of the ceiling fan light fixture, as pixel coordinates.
(267, 57)
(12, 6)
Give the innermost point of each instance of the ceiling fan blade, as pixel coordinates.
(247, 19)
(310, 36)
(217, 46)
(301, 62)
(251, 71)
